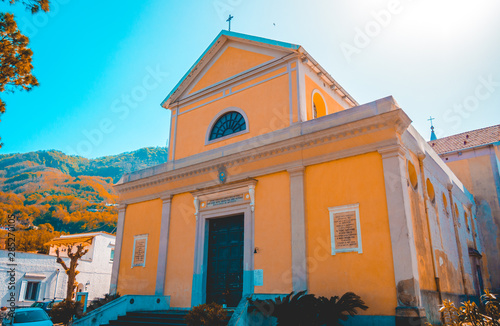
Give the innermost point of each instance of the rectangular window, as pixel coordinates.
(140, 248)
(345, 229)
(112, 256)
(32, 291)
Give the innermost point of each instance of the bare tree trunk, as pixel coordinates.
(71, 270)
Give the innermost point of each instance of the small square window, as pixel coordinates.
(32, 289)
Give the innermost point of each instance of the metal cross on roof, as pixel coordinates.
(430, 119)
(229, 21)
(433, 134)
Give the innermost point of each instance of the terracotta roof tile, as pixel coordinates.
(466, 140)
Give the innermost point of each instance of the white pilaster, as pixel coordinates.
(161, 270)
(298, 226)
(118, 249)
(401, 227)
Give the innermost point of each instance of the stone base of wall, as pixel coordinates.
(431, 303)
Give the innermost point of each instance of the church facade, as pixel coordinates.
(279, 181)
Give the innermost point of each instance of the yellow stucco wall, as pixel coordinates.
(273, 233)
(180, 259)
(231, 62)
(141, 218)
(332, 105)
(357, 179)
(266, 106)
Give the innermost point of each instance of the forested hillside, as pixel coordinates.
(54, 192)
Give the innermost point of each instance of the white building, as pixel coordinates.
(39, 277)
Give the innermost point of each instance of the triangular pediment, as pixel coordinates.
(229, 55)
(230, 62)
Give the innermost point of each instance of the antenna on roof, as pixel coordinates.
(229, 21)
(433, 135)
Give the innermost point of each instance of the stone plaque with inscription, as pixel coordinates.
(225, 201)
(346, 233)
(140, 250)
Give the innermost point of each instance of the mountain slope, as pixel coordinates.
(71, 193)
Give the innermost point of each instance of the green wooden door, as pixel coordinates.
(225, 261)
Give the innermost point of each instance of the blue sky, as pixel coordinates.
(104, 67)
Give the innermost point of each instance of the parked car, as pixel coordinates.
(29, 317)
(45, 305)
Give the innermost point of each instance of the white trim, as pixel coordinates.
(342, 209)
(275, 54)
(290, 100)
(22, 290)
(140, 237)
(312, 102)
(175, 132)
(237, 91)
(217, 117)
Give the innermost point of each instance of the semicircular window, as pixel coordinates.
(230, 123)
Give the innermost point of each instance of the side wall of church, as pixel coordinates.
(479, 173)
(370, 274)
(444, 230)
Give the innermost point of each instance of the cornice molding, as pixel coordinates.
(251, 154)
(272, 169)
(395, 150)
(204, 193)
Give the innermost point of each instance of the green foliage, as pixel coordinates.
(332, 310)
(32, 5)
(15, 58)
(210, 314)
(64, 311)
(307, 310)
(486, 314)
(35, 240)
(102, 301)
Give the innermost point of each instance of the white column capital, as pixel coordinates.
(392, 151)
(296, 171)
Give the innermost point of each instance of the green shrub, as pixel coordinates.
(306, 310)
(210, 314)
(64, 311)
(102, 301)
(486, 314)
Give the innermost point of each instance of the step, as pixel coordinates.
(155, 318)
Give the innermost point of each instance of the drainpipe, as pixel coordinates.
(457, 237)
(57, 279)
(421, 157)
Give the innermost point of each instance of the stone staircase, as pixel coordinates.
(155, 318)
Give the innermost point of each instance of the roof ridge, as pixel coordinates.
(470, 131)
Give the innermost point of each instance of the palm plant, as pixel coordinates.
(292, 310)
(334, 309)
(306, 310)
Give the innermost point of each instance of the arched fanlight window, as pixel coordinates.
(318, 105)
(230, 123)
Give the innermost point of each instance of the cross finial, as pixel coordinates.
(433, 134)
(430, 119)
(229, 21)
